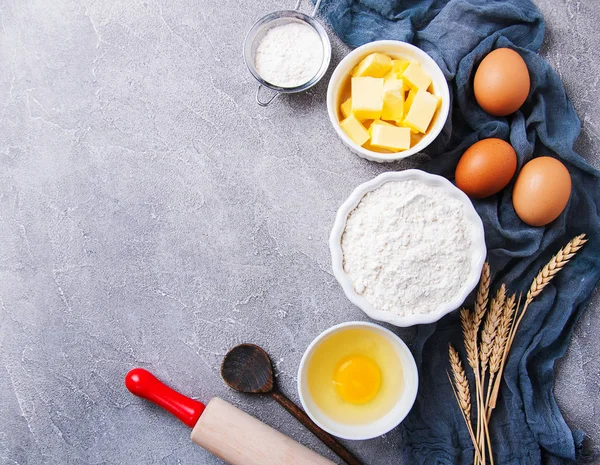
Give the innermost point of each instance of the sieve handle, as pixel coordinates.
(314, 12)
(264, 103)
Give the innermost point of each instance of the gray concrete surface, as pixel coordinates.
(151, 214)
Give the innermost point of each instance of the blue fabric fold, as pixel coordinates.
(527, 426)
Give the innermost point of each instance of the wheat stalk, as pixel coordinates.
(489, 327)
(467, 421)
(460, 381)
(502, 336)
(488, 335)
(546, 275)
(499, 346)
(497, 336)
(470, 337)
(470, 341)
(543, 278)
(470, 332)
(491, 404)
(554, 266)
(481, 301)
(460, 387)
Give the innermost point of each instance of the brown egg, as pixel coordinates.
(486, 168)
(501, 82)
(541, 191)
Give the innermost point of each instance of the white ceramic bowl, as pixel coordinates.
(395, 49)
(373, 429)
(478, 247)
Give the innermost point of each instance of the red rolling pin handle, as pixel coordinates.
(144, 384)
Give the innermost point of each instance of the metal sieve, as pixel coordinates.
(280, 18)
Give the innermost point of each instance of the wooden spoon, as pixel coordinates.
(247, 368)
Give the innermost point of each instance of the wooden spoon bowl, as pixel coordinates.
(247, 368)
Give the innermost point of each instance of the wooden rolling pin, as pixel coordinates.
(226, 431)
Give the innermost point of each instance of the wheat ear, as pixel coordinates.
(470, 341)
(460, 381)
(488, 335)
(554, 266)
(499, 346)
(502, 335)
(542, 279)
(489, 327)
(481, 302)
(546, 275)
(467, 421)
(470, 338)
(460, 387)
(494, 397)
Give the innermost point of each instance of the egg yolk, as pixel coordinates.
(357, 379)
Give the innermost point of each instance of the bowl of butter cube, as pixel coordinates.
(388, 100)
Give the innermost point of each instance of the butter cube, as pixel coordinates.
(416, 77)
(367, 97)
(390, 75)
(355, 130)
(374, 65)
(381, 122)
(393, 100)
(346, 107)
(398, 66)
(392, 84)
(421, 111)
(390, 137)
(368, 145)
(409, 100)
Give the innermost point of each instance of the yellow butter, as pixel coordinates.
(416, 77)
(415, 138)
(346, 107)
(398, 66)
(392, 84)
(367, 97)
(393, 100)
(390, 137)
(355, 130)
(383, 123)
(421, 111)
(368, 145)
(374, 65)
(409, 100)
(393, 105)
(390, 75)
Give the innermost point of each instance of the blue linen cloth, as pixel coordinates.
(527, 426)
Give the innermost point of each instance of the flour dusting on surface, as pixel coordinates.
(407, 247)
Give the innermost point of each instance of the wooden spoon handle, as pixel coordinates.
(303, 418)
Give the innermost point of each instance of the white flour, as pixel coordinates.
(289, 55)
(407, 247)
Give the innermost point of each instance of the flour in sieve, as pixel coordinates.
(289, 55)
(406, 247)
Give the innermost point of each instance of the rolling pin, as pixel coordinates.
(222, 429)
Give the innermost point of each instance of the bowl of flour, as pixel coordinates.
(407, 247)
